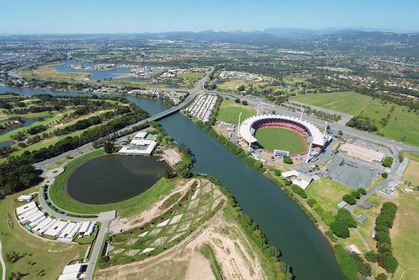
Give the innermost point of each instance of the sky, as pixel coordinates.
(140, 16)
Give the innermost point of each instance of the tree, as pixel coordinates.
(168, 174)
(237, 100)
(311, 202)
(256, 234)
(244, 102)
(349, 199)
(340, 229)
(288, 160)
(340, 132)
(384, 175)
(186, 173)
(277, 172)
(388, 262)
(247, 221)
(362, 191)
(109, 147)
(241, 88)
(371, 256)
(381, 276)
(388, 161)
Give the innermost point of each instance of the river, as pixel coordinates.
(303, 246)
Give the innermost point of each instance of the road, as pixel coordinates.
(104, 217)
(97, 249)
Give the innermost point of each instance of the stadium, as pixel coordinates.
(314, 140)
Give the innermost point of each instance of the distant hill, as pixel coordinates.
(368, 37)
(298, 33)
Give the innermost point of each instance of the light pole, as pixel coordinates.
(238, 131)
(309, 150)
(302, 112)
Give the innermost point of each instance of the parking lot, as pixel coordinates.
(351, 173)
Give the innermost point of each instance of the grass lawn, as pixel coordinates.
(233, 84)
(411, 174)
(271, 138)
(125, 208)
(410, 155)
(346, 102)
(39, 254)
(45, 71)
(405, 237)
(230, 111)
(327, 192)
(191, 76)
(401, 123)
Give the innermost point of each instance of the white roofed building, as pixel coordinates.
(140, 145)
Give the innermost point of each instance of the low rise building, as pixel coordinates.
(141, 145)
(361, 153)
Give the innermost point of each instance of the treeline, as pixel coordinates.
(384, 222)
(10, 185)
(362, 123)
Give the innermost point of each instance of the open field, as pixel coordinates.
(405, 237)
(38, 253)
(233, 84)
(346, 102)
(230, 111)
(271, 138)
(191, 76)
(125, 208)
(411, 174)
(327, 192)
(410, 155)
(45, 72)
(402, 124)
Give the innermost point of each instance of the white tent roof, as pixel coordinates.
(246, 130)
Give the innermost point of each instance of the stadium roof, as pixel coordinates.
(246, 130)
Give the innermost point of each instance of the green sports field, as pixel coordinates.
(346, 102)
(271, 138)
(230, 111)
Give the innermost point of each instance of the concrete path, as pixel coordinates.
(363, 240)
(3, 265)
(96, 250)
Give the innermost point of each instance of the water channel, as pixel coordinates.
(303, 246)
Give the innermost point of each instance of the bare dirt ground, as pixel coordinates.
(172, 156)
(231, 248)
(146, 216)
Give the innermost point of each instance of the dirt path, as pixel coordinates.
(231, 248)
(3, 265)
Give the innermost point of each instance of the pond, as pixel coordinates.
(114, 178)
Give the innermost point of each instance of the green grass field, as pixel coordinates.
(327, 192)
(38, 254)
(191, 76)
(405, 237)
(346, 102)
(230, 111)
(401, 123)
(272, 138)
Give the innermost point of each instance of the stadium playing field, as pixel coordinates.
(275, 138)
(230, 111)
(346, 102)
